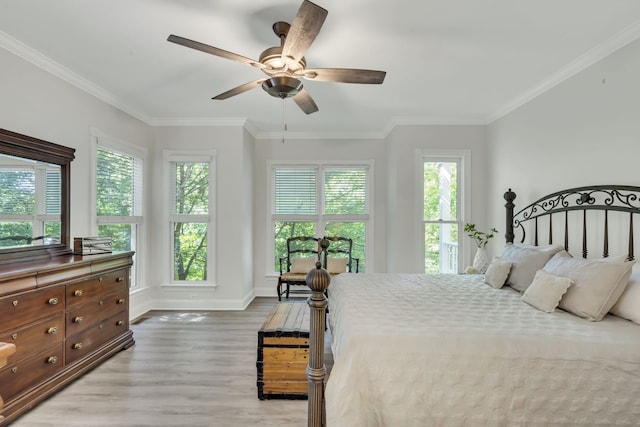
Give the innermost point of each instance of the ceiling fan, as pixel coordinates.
(285, 65)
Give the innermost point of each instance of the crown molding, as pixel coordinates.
(289, 135)
(599, 52)
(433, 121)
(199, 121)
(47, 64)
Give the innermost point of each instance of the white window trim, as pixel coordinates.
(321, 165)
(38, 218)
(101, 138)
(464, 199)
(210, 218)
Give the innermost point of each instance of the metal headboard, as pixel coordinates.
(606, 198)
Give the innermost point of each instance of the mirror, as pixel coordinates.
(34, 202)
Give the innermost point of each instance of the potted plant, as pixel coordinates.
(481, 260)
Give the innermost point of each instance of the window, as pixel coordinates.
(119, 192)
(320, 200)
(29, 202)
(441, 213)
(190, 218)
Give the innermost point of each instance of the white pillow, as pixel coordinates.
(546, 290)
(302, 265)
(628, 305)
(597, 285)
(336, 265)
(497, 272)
(525, 261)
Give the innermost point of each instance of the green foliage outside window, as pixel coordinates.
(17, 192)
(440, 203)
(190, 238)
(344, 192)
(120, 235)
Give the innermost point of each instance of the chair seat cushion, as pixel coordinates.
(293, 277)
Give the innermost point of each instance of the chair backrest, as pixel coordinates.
(339, 247)
(301, 247)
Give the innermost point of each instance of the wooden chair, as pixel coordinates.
(339, 256)
(302, 255)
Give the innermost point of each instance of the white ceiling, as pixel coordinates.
(447, 61)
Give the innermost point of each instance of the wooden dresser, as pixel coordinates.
(65, 316)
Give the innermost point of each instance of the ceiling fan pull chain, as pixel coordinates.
(284, 117)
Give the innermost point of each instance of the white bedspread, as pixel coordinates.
(419, 350)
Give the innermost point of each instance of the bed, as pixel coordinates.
(537, 346)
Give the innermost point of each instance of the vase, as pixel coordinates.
(481, 260)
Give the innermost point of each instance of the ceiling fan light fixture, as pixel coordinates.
(282, 86)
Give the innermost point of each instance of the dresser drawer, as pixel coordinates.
(96, 287)
(25, 373)
(90, 339)
(31, 339)
(93, 312)
(16, 309)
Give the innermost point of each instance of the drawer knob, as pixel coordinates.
(52, 330)
(121, 301)
(78, 293)
(51, 360)
(14, 336)
(53, 301)
(99, 279)
(77, 346)
(120, 323)
(77, 319)
(119, 279)
(14, 369)
(14, 302)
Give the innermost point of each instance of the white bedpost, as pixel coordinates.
(318, 280)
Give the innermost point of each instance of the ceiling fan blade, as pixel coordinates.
(345, 75)
(213, 50)
(304, 29)
(240, 89)
(305, 102)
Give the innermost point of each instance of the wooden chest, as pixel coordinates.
(283, 352)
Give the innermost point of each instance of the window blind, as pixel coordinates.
(119, 182)
(345, 191)
(295, 191)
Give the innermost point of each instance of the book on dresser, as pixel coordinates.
(65, 316)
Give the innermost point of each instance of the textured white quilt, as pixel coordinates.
(420, 350)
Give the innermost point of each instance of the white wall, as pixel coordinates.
(403, 220)
(36, 103)
(584, 131)
(233, 219)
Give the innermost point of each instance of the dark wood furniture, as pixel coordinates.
(341, 247)
(305, 247)
(283, 352)
(65, 316)
(26, 147)
(64, 313)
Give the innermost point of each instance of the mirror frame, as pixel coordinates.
(15, 144)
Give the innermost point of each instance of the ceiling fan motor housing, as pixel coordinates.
(282, 86)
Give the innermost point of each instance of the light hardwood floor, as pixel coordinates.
(187, 369)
